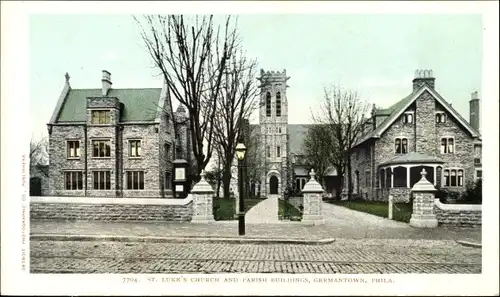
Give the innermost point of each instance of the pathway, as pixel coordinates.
(265, 212)
(340, 216)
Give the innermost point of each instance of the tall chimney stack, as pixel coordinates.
(474, 110)
(423, 77)
(106, 82)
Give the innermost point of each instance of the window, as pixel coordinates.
(73, 180)
(278, 151)
(407, 118)
(269, 151)
(477, 149)
(367, 178)
(278, 104)
(135, 180)
(134, 148)
(102, 180)
(477, 161)
(440, 117)
(167, 151)
(101, 117)
(460, 178)
(446, 175)
(101, 148)
(453, 177)
(279, 130)
(168, 181)
(401, 145)
(479, 174)
(269, 130)
(73, 149)
(447, 145)
(268, 104)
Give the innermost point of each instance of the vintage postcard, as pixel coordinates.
(250, 148)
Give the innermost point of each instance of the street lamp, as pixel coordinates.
(240, 153)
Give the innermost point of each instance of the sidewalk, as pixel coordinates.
(284, 232)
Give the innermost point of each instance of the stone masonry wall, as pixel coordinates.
(108, 211)
(425, 130)
(463, 157)
(147, 162)
(58, 160)
(458, 215)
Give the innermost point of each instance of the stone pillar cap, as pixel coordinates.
(202, 186)
(312, 186)
(423, 184)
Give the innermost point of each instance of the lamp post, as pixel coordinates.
(240, 153)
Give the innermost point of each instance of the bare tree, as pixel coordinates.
(255, 152)
(343, 112)
(192, 55)
(235, 105)
(318, 151)
(38, 152)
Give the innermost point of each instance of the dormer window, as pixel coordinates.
(407, 118)
(440, 117)
(101, 117)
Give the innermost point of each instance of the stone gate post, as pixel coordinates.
(202, 202)
(423, 204)
(313, 204)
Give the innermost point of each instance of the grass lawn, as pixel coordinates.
(401, 211)
(224, 207)
(293, 213)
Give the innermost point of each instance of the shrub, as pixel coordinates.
(473, 193)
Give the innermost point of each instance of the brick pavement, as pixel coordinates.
(347, 256)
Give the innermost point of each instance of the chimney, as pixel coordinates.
(474, 110)
(106, 82)
(423, 77)
(374, 118)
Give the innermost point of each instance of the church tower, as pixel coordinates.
(273, 122)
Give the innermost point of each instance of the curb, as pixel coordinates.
(468, 243)
(187, 239)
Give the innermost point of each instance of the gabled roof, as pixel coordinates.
(395, 111)
(139, 104)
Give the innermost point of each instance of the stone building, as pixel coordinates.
(421, 131)
(281, 155)
(109, 142)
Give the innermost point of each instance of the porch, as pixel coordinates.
(397, 176)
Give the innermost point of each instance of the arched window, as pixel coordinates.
(278, 104)
(268, 104)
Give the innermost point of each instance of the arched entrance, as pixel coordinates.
(273, 185)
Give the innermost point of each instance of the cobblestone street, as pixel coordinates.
(346, 256)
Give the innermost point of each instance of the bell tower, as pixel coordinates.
(273, 121)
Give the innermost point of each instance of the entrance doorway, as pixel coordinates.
(273, 185)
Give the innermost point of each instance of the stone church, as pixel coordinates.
(282, 156)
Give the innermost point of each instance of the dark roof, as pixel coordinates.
(412, 157)
(296, 135)
(390, 113)
(139, 104)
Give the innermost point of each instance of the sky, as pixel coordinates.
(374, 54)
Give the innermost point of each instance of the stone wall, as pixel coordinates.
(466, 215)
(400, 194)
(111, 209)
